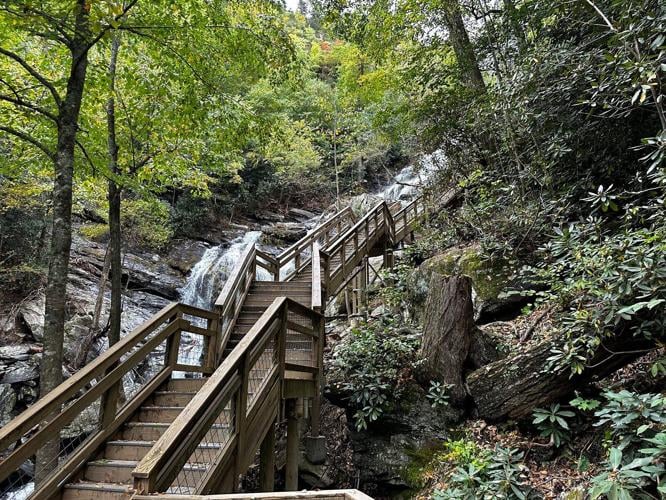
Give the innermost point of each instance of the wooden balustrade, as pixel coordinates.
(247, 384)
(297, 254)
(230, 300)
(45, 420)
(244, 389)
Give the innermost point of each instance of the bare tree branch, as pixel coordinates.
(603, 16)
(30, 139)
(39, 77)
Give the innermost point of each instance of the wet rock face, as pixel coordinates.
(384, 454)
(184, 254)
(284, 232)
(22, 328)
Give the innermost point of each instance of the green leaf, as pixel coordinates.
(615, 458)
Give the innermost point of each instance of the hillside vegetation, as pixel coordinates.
(517, 346)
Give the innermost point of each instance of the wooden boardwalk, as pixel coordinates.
(181, 423)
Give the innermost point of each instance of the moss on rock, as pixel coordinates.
(489, 277)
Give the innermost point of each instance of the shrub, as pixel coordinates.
(95, 232)
(485, 474)
(145, 223)
(377, 359)
(637, 439)
(552, 423)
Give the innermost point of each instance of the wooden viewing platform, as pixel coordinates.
(192, 426)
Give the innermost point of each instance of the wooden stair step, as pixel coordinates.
(157, 414)
(185, 384)
(151, 431)
(172, 398)
(98, 491)
(277, 286)
(120, 472)
(136, 450)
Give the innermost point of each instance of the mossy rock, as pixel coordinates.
(489, 277)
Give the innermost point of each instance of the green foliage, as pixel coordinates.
(625, 480)
(146, 223)
(485, 474)
(95, 232)
(631, 417)
(637, 441)
(438, 394)
(552, 423)
(584, 404)
(376, 360)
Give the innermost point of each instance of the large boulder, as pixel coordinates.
(386, 454)
(184, 254)
(489, 279)
(31, 313)
(7, 403)
(152, 274)
(362, 203)
(283, 232)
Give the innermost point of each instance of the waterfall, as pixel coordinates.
(407, 184)
(209, 274)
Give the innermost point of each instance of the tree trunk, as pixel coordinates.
(513, 387)
(462, 46)
(110, 400)
(447, 332)
(61, 234)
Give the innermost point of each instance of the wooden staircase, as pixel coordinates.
(262, 347)
(261, 295)
(108, 475)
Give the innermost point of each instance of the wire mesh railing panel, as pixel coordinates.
(261, 369)
(300, 347)
(68, 440)
(57, 431)
(205, 454)
(136, 378)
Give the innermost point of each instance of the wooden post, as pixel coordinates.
(293, 453)
(365, 275)
(240, 410)
(267, 460)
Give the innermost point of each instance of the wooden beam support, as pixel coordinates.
(267, 460)
(293, 452)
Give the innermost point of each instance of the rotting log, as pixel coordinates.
(513, 387)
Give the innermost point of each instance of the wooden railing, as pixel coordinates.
(232, 296)
(403, 220)
(234, 408)
(341, 257)
(153, 348)
(241, 398)
(294, 259)
(301, 495)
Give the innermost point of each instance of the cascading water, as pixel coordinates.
(205, 282)
(407, 184)
(209, 274)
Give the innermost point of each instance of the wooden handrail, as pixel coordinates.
(354, 229)
(247, 258)
(228, 385)
(304, 241)
(316, 277)
(293, 253)
(164, 461)
(15, 429)
(44, 420)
